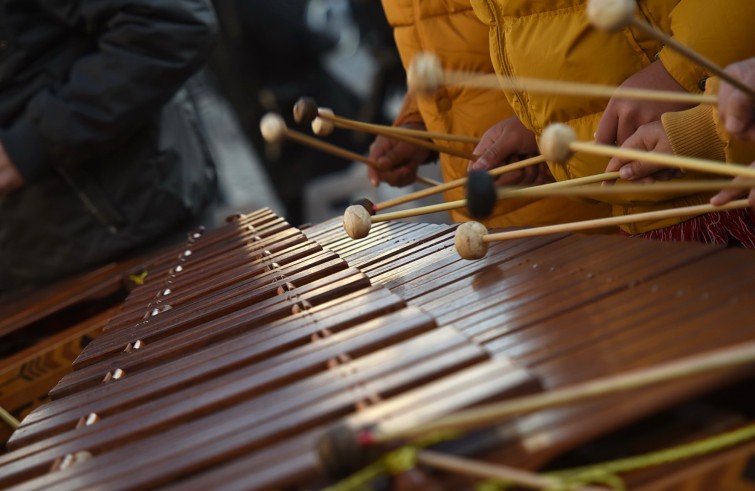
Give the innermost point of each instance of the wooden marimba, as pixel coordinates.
(248, 342)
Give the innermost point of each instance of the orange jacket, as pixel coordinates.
(450, 29)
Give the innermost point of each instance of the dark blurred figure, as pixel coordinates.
(267, 59)
(389, 82)
(100, 148)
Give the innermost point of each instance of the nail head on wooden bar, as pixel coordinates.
(115, 375)
(300, 307)
(134, 346)
(88, 420)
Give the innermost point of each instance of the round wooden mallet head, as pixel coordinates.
(357, 222)
(273, 128)
(611, 15)
(425, 73)
(481, 195)
(555, 142)
(468, 240)
(323, 127)
(305, 111)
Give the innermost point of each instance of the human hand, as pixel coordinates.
(503, 143)
(650, 137)
(737, 109)
(623, 117)
(10, 179)
(396, 161)
(728, 195)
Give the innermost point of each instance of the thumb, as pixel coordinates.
(639, 170)
(492, 156)
(374, 177)
(740, 113)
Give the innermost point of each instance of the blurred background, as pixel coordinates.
(271, 53)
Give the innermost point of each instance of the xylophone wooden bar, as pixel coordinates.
(257, 292)
(225, 356)
(335, 315)
(186, 272)
(251, 251)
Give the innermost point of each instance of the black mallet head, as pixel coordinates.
(367, 204)
(342, 451)
(305, 111)
(481, 195)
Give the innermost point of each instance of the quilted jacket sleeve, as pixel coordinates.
(719, 30)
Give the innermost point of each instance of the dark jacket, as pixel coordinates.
(97, 115)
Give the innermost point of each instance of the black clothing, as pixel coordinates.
(267, 58)
(97, 115)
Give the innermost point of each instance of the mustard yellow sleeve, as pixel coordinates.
(693, 133)
(699, 132)
(720, 30)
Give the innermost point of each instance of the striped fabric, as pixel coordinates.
(732, 227)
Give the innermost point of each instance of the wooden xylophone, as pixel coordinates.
(246, 343)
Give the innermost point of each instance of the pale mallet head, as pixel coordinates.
(357, 222)
(273, 128)
(555, 142)
(469, 241)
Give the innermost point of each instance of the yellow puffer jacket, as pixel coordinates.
(450, 29)
(554, 40)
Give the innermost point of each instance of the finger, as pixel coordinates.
(379, 147)
(486, 141)
(739, 111)
(616, 163)
(385, 162)
(636, 170)
(751, 199)
(489, 158)
(399, 155)
(724, 94)
(727, 195)
(373, 176)
(6, 182)
(406, 176)
(509, 178)
(495, 154)
(399, 177)
(626, 130)
(542, 175)
(529, 174)
(607, 127)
